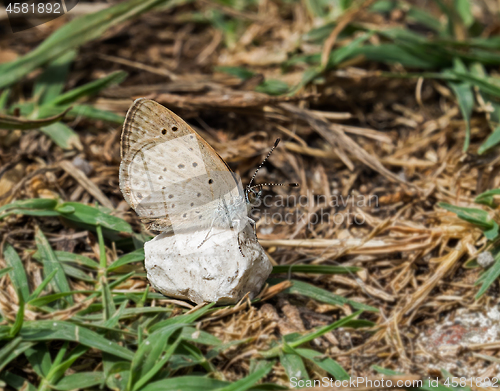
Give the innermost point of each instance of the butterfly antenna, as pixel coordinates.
(263, 162)
(261, 185)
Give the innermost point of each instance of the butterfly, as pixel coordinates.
(174, 180)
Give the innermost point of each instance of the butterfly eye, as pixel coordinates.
(174, 128)
(164, 131)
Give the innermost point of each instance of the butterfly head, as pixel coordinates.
(252, 196)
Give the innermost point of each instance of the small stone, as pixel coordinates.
(82, 165)
(485, 259)
(223, 269)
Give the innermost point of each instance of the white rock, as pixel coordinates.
(178, 266)
(485, 259)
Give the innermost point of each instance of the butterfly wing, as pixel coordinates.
(172, 177)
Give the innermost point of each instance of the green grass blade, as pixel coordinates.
(448, 11)
(272, 87)
(188, 318)
(114, 284)
(109, 307)
(489, 277)
(115, 318)
(390, 53)
(13, 123)
(465, 98)
(59, 358)
(188, 355)
(142, 381)
(463, 9)
(34, 203)
(296, 339)
(250, 380)
(18, 323)
(29, 212)
(58, 369)
(239, 72)
(5, 271)
(84, 216)
(39, 358)
(42, 286)
(91, 216)
(186, 383)
(4, 98)
(199, 336)
(479, 217)
(322, 330)
(73, 35)
(50, 83)
(345, 52)
(425, 18)
(103, 260)
(13, 349)
(78, 259)
(483, 83)
(48, 330)
(63, 136)
(144, 298)
(134, 256)
(90, 112)
(294, 366)
(223, 346)
(76, 110)
(18, 274)
(149, 352)
(305, 289)
(489, 198)
(128, 313)
(472, 215)
(44, 300)
(87, 89)
(80, 380)
(77, 274)
(51, 263)
(116, 372)
(17, 382)
(492, 141)
(325, 363)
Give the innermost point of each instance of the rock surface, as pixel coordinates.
(223, 269)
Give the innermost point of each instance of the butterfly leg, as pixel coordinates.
(206, 238)
(232, 227)
(254, 225)
(239, 244)
(213, 223)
